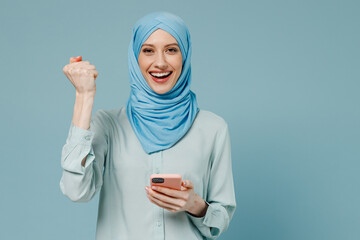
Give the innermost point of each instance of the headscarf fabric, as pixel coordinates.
(160, 120)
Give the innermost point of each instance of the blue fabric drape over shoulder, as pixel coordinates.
(160, 120)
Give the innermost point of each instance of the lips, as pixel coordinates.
(160, 74)
(160, 77)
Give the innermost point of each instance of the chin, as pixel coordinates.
(161, 90)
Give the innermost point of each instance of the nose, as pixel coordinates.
(160, 61)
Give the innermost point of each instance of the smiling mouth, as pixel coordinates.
(160, 75)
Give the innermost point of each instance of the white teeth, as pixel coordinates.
(160, 74)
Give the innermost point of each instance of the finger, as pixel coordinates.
(188, 184)
(162, 204)
(169, 209)
(82, 63)
(65, 68)
(92, 67)
(66, 72)
(168, 191)
(69, 75)
(96, 73)
(75, 59)
(87, 66)
(167, 199)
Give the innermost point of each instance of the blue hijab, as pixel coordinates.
(160, 120)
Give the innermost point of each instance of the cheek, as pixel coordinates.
(177, 64)
(142, 67)
(143, 63)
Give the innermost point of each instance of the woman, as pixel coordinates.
(161, 130)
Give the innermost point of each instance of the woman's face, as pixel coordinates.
(160, 61)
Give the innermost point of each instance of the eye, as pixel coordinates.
(173, 50)
(147, 50)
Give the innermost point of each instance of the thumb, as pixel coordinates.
(96, 73)
(75, 59)
(188, 184)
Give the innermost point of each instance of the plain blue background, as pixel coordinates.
(283, 74)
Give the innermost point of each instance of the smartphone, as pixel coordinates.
(166, 180)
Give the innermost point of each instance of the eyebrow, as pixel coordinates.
(151, 45)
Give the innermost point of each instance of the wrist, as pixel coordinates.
(85, 95)
(198, 208)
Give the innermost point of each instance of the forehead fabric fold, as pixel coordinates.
(169, 23)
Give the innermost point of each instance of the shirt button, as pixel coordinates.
(159, 224)
(87, 137)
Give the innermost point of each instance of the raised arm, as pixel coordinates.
(82, 75)
(84, 152)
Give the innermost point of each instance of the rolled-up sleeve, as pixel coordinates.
(81, 183)
(220, 193)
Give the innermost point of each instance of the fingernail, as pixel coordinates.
(146, 189)
(154, 187)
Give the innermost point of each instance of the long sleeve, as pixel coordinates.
(81, 183)
(220, 194)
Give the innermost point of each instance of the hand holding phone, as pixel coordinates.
(166, 180)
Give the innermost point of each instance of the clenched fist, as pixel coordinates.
(82, 75)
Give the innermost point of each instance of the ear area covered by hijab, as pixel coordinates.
(160, 120)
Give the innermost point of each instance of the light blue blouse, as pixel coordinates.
(117, 164)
